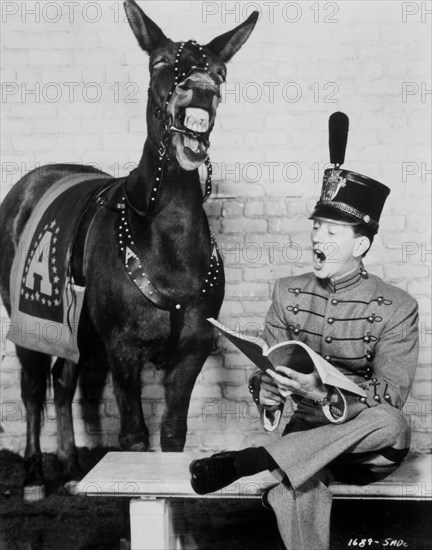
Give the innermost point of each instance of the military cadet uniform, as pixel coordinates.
(367, 329)
(364, 327)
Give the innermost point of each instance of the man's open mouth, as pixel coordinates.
(318, 258)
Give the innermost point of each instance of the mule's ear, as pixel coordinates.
(228, 44)
(147, 33)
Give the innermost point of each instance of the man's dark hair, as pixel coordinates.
(362, 231)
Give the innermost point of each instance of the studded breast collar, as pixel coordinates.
(136, 270)
(113, 198)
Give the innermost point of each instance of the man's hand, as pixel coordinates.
(269, 395)
(289, 381)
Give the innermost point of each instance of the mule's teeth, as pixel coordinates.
(196, 119)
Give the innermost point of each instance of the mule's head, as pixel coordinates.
(185, 80)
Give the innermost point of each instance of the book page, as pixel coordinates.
(251, 347)
(293, 356)
(301, 356)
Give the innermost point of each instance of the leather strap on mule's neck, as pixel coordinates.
(137, 271)
(78, 246)
(111, 197)
(155, 190)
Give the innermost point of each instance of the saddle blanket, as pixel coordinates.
(45, 303)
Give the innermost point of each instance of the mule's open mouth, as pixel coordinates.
(192, 123)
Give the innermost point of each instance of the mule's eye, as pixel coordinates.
(159, 63)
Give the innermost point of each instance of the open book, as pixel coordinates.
(295, 355)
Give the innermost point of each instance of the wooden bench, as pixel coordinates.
(153, 480)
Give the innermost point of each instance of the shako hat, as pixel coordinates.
(348, 197)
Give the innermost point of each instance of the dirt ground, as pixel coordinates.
(65, 522)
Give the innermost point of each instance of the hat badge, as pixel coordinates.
(333, 185)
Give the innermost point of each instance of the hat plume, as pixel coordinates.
(338, 136)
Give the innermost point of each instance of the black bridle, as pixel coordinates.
(178, 77)
(170, 128)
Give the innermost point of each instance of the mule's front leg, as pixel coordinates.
(126, 368)
(179, 383)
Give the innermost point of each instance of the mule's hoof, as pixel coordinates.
(72, 487)
(138, 448)
(135, 443)
(34, 493)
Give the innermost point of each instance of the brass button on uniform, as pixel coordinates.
(330, 320)
(329, 339)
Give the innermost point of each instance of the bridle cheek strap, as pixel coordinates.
(170, 128)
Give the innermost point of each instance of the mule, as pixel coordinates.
(131, 318)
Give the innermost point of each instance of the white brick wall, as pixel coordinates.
(269, 148)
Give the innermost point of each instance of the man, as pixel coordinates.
(363, 326)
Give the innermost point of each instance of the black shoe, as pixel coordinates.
(213, 473)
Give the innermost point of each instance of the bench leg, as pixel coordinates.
(152, 525)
